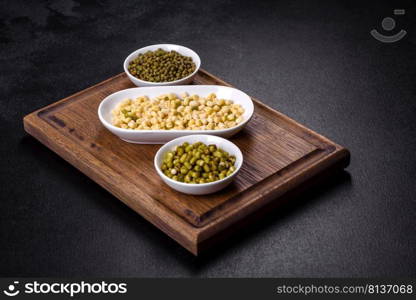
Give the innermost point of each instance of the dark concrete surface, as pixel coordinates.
(313, 60)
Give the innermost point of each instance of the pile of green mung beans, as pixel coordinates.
(198, 163)
(161, 66)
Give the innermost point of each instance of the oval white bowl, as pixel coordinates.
(167, 47)
(202, 188)
(163, 136)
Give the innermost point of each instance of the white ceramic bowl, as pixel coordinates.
(163, 136)
(167, 47)
(202, 188)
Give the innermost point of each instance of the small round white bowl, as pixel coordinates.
(199, 188)
(167, 47)
(163, 136)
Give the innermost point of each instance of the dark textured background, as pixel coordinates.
(313, 60)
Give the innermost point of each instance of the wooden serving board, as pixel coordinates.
(279, 155)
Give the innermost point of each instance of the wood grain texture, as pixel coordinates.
(279, 155)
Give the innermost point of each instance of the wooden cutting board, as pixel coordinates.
(279, 156)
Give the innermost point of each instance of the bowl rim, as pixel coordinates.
(135, 52)
(194, 132)
(161, 174)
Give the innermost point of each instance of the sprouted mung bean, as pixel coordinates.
(198, 163)
(167, 112)
(161, 66)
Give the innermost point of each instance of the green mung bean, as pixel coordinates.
(198, 163)
(161, 66)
